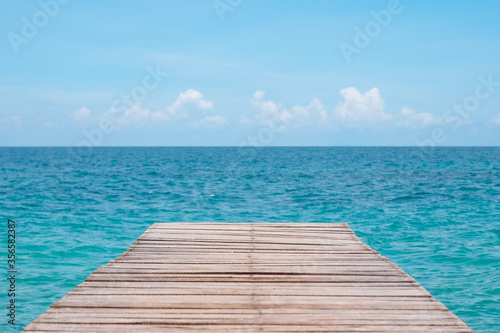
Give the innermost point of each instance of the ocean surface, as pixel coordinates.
(434, 212)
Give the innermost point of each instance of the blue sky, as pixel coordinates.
(251, 72)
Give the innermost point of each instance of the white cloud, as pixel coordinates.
(356, 109)
(188, 102)
(209, 121)
(134, 116)
(361, 108)
(411, 118)
(496, 120)
(190, 98)
(318, 106)
(80, 115)
(268, 111)
(190, 107)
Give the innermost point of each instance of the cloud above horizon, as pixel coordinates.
(410, 118)
(188, 102)
(189, 105)
(192, 110)
(358, 108)
(298, 115)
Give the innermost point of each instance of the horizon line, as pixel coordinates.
(261, 146)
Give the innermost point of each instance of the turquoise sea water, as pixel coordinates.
(436, 212)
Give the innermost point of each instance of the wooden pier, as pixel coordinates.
(248, 277)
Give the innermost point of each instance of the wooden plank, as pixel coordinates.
(223, 285)
(245, 269)
(248, 277)
(369, 265)
(126, 328)
(271, 311)
(276, 278)
(273, 291)
(194, 318)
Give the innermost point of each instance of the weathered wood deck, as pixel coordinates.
(249, 277)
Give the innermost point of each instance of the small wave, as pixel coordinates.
(405, 198)
(468, 189)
